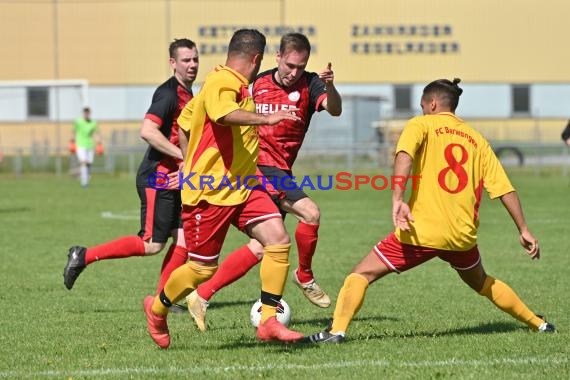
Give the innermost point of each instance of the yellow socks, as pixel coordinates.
(180, 283)
(349, 301)
(273, 274)
(506, 299)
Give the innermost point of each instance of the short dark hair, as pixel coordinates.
(247, 41)
(86, 109)
(180, 43)
(296, 42)
(447, 91)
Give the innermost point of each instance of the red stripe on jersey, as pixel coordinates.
(183, 97)
(320, 101)
(153, 118)
(171, 164)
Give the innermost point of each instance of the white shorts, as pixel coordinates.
(85, 155)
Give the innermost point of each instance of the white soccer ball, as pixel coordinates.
(283, 313)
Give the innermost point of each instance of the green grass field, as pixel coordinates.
(422, 324)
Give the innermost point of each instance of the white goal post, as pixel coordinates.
(46, 106)
(47, 100)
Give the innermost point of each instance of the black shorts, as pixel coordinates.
(160, 213)
(280, 185)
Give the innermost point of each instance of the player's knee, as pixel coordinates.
(370, 276)
(281, 238)
(256, 248)
(310, 212)
(474, 281)
(479, 285)
(152, 248)
(313, 216)
(270, 232)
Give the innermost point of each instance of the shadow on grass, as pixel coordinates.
(482, 329)
(274, 346)
(485, 328)
(13, 210)
(249, 341)
(324, 322)
(222, 304)
(319, 323)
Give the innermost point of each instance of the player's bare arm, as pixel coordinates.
(333, 102)
(150, 132)
(241, 117)
(401, 214)
(528, 241)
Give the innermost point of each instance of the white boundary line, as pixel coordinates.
(283, 367)
(127, 215)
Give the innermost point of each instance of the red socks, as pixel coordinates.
(234, 266)
(122, 247)
(306, 237)
(175, 257)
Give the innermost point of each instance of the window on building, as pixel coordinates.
(38, 102)
(521, 99)
(403, 100)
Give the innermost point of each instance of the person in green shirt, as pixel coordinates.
(87, 142)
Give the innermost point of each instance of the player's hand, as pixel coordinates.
(72, 146)
(530, 244)
(327, 75)
(173, 181)
(288, 114)
(401, 215)
(99, 149)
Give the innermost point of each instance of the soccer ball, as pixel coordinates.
(283, 313)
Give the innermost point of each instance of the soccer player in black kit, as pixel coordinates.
(157, 177)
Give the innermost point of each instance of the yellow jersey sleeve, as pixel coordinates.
(412, 137)
(495, 180)
(219, 99)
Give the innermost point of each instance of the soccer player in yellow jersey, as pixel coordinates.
(220, 188)
(454, 163)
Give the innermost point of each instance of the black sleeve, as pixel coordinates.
(566, 132)
(164, 102)
(316, 90)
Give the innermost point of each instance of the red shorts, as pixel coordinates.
(206, 225)
(400, 257)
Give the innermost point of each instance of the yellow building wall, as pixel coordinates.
(126, 41)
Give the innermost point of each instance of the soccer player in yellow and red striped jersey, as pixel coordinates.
(287, 85)
(220, 188)
(454, 164)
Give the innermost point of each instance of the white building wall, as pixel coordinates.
(130, 103)
(550, 100)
